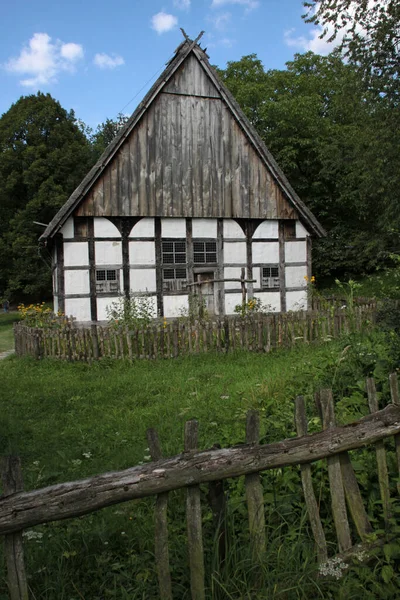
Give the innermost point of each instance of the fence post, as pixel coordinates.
(13, 548)
(194, 524)
(394, 393)
(161, 526)
(335, 477)
(254, 492)
(309, 495)
(380, 454)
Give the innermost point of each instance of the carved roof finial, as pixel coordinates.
(185, 35)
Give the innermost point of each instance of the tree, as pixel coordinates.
(106, 132)
(333, 138)
(44, 155)
(371, 36)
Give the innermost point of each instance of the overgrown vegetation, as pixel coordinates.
(69, 421)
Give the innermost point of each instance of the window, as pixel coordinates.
(270, 277)
(174, 280)
(205, 252)
(289, 230)
(107, 280)
(174, 265)
(174, 252)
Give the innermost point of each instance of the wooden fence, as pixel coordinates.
(20, 510)
(259, 333)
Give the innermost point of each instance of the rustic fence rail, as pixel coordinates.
(259, 333)
(20, 510)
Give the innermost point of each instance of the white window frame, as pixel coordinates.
(271, 281)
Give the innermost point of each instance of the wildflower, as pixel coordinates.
(224, 397)
(87, 454)
(32, 535)
(313, 279)
(76, 462)
(306, 277)
(333, 567)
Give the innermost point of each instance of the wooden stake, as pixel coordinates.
(194, 524)
(254, 492)
(380, 454)
(161, 526)
(309, 496)
(13, 547)
(394, 393)
(335, 477)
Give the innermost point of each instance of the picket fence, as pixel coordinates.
(259, 333)
(20, 509)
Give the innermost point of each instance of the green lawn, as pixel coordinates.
(6, 331)
(68, 421)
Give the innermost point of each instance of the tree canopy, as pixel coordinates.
(44, 155)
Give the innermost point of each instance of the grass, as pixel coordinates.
(68, 421)
(6, 331)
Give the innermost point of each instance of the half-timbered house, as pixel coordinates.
(186, 192)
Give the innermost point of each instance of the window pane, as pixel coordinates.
(180, 247)
(112, 275)
(211, 246)
(198, 257)
(180, 273)
(198, 246)
(169, 273)
(101, 275)
(211, 257)
(168, 246)
(168, 258)
(180, 258)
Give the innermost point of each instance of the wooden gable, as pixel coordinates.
(187, 156)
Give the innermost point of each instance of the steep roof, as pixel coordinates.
(187, 49)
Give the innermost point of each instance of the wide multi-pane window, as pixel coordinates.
(173, 255)
(205, 252)
(270, 276)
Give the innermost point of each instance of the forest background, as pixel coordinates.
(331, 122)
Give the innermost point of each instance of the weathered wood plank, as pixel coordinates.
(13, 547)
(194, 524)
(335, 477)
(161, 551)
(306, 479)
(62, 501)
(254, 493)
(380, 454)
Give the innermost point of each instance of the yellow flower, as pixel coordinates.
(306, 277)
(313, 279)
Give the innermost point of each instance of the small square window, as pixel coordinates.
(270, 277)
(107, 280)
(205, 252)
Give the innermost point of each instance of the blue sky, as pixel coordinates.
(99, 58)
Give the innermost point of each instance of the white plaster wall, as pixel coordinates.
(143, 228)
(102, 305)
(232, 272)
(232, 230)
(104, 228)
(231, 300)
(271, 300)
(173, 305)
(267, 229)
(76, 254)
(55, 304)
(295, 252)
(173, 228)
(265, 252)
(68, 228)
(296, 300)
(78, 308)
(301, 231)
(143, 280)
(235, 252)
(108, 253)
(142, 253)
(77, 282)
(295, 276)
(55, 281)
(204, 228)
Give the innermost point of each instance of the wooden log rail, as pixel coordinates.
(21, 510)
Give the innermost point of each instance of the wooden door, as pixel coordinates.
(207, 291)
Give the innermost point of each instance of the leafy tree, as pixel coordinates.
(106, 132)
(371, 35)
(44, 155)
(335, 140)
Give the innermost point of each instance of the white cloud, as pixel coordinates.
(105, 61)
(221, 21)
(42, 60)
(162, 22)
(182, 4)
(249, 4)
